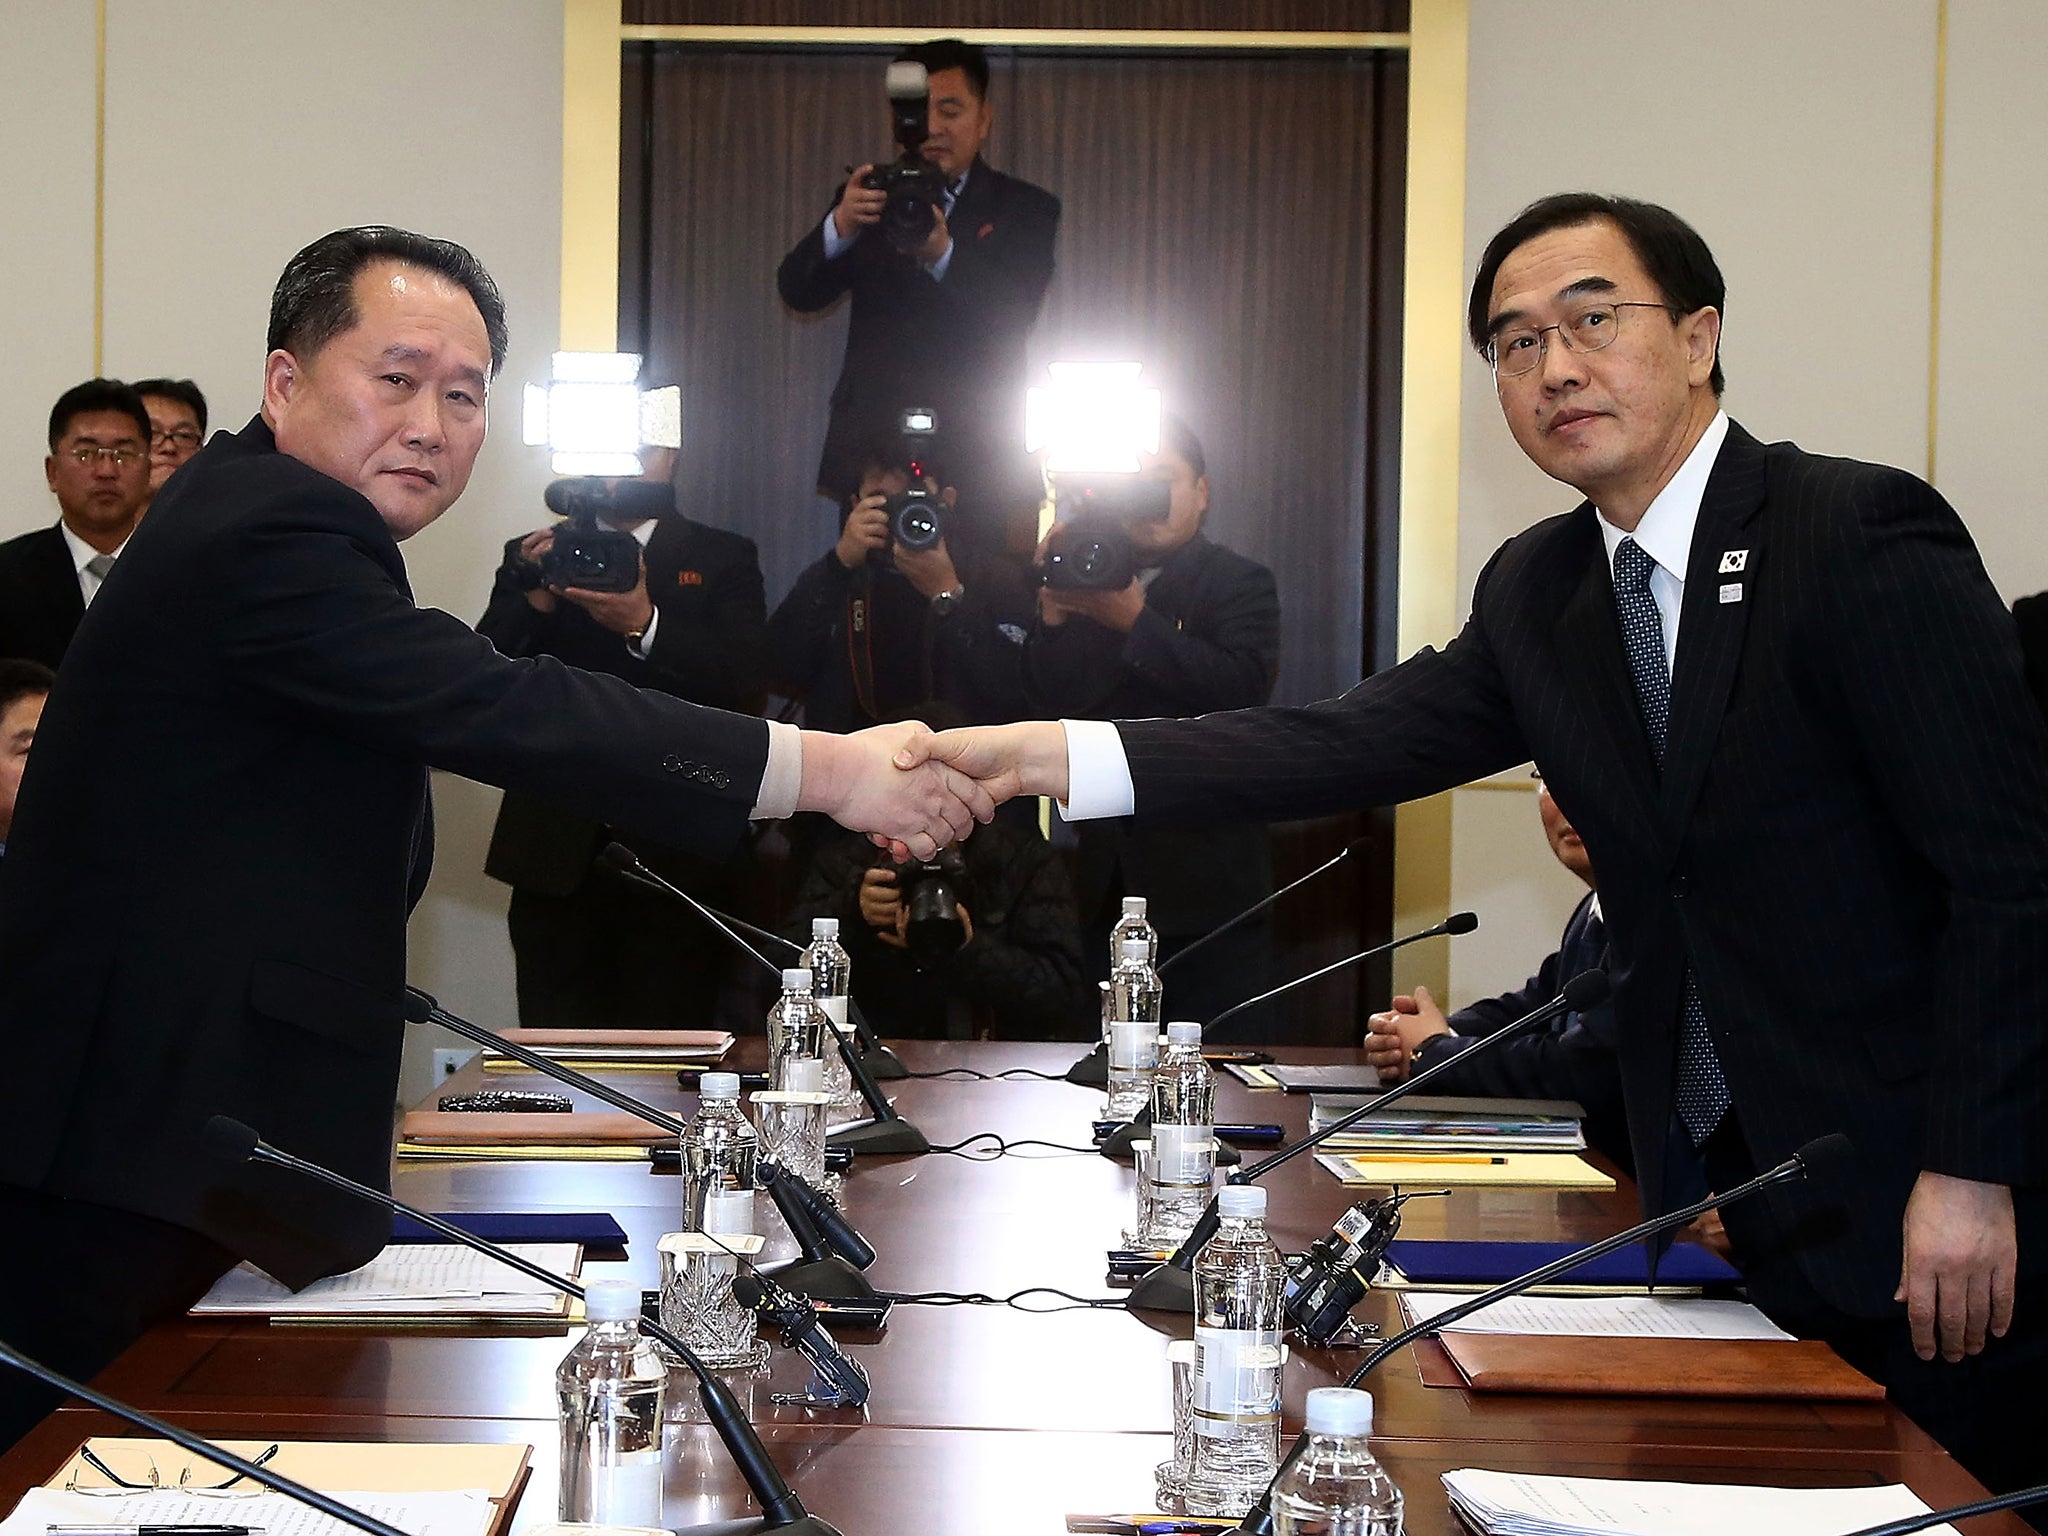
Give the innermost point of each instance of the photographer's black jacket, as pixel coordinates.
(708, 647)
(956, 345)
(1209, 639)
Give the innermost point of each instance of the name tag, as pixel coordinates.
(1731, 591)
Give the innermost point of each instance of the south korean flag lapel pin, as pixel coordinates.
(1734, 562)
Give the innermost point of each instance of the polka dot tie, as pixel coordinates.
(1702, 1091)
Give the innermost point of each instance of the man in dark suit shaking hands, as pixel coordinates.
(225, 819)
(1780, 701)
(943, 325)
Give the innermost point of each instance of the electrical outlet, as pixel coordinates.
(448, 1062)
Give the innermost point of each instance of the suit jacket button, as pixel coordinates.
(672, 763)
(720, 780)
(1678, 886)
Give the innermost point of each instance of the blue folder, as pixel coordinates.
(593, 1229)
(1457, 1263)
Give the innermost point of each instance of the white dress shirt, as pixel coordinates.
(1099, 775)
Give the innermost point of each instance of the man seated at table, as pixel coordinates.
(1572, 1059)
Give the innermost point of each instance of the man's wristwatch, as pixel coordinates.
(945, 602)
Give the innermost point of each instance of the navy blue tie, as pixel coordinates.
(1702, 1091)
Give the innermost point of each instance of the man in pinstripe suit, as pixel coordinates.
(1782, 704)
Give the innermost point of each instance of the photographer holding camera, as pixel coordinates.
(947, 260)
(979, 942)
(625, 585)
(1154, 619)
(886, 622)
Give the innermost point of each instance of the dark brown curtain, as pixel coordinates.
(1233, 222)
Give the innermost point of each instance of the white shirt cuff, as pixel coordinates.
(1098, 773)
(835, 242)
(783, 776)
(644, 646)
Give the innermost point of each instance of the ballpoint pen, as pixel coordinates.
(172, 1528)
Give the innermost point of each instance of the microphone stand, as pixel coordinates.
(1817, 1155)
(822, 1271)
(885, 1132)
(882, 1062)
(1170, 1287)
(1092, 1070)
(1118, 1143)
(1989, 1506)
(781, 1509)
(420, 1008)
(198, 1445)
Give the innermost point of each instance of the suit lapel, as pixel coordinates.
(1588, 640)
(1726, 546)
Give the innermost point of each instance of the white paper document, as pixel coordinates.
(464, 1513)
(406, 1277)
(1631, 1317)
(1519, 1504)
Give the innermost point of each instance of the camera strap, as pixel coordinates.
(860, 642)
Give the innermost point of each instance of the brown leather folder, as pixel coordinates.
(1624, 1367)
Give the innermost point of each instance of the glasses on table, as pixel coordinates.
(117, 1485)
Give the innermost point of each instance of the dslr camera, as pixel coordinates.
(586, 554)
(915, 520)
(1090, 548)
(916, 187)
(931, 891)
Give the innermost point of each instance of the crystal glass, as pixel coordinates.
(697, 1303)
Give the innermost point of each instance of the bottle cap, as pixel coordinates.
(824, 927)
(797, 979)
(1184, 1033)
(1134, 906)
(719, 1085)
(611, 1301)
(1240, 1200)
(1339, 1411)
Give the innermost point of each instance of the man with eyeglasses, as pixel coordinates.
(1783, 705)
(177, 425)
(98, 468)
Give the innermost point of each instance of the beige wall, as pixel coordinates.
(1799, 138)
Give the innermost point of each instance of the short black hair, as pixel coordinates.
(21, 678)
(97, 395)
(892, 450)
(951, 53)
(184, 391)
(1178, 438)
(315, 299)
(1671, 251)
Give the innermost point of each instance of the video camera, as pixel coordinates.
(1090, 547)
(916, 187)
(587, 555)
(915, 520)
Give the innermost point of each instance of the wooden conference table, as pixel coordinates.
(982, 1418)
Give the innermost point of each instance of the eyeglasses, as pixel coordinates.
(183, 438)
(153, 1479)
(1520, 348)
(87, 454)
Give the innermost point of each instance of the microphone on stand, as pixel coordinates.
(883, 1063)
(420, 1008)
(833, 1253)
(1092, 1070)
(1821, 1156)
(1171, 1287)
(1118, 1143)
(199, 1445)
(886, 1132)
(781, 1509)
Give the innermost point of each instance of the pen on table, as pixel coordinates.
(1428, 1157)
(172, 1529)
(1139, 1525)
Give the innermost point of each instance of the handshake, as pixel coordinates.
(913, 790)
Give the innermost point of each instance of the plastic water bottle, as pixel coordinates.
(1337, 1486)
(1130, 1024)
(1131, 926)
(719, 1147)
(796, 1032)
(1236, 1398)
(831, 977)
(1183, 1131)
(610, 1389)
